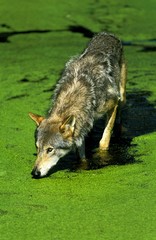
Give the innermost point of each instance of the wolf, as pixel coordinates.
(92, 84)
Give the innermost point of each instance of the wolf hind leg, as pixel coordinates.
(118, 122)
(105, 140)
(123, 79)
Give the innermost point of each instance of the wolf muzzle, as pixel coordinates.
(35, 173)
(43, 165)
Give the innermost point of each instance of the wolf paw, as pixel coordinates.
(83, 164)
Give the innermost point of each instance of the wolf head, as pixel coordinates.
(54, 139)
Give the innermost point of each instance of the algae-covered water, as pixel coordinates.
(110, 201)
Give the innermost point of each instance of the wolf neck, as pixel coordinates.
(74, 95)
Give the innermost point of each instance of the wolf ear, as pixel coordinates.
(68, 126)
(37, 118)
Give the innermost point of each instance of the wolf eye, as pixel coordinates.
(49, 150)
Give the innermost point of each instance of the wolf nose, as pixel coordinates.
(36, 173)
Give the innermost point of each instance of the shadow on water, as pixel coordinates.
(138, 117)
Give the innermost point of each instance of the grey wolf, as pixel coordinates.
(92, 85)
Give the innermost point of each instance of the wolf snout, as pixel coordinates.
(36, 173)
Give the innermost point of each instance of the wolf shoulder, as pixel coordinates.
(105, 43)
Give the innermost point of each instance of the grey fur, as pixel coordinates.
(88, 82)
(92, 84)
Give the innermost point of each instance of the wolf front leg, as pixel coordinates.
(105, 140)
(83, 162)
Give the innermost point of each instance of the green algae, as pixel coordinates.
(115, 202)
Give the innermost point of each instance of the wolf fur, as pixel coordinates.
(92, 85)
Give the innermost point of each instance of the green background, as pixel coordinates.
(114, 202)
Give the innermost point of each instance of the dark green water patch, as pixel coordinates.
(4, 36)
(8, 194)
(148, 49)
(81, 29)
(25, 80)
(49, 89)
(148, 45)
(37, 207)
(17, 96)
(3, 212)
